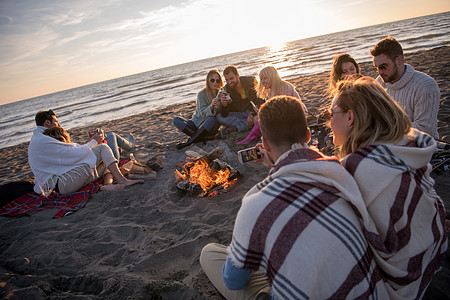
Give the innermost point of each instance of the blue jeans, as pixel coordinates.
(115, 142)
(210, 124)
(234, 119)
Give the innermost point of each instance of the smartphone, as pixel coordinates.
(249, 154)
(255, 108)
(100, 131)
(91, 133)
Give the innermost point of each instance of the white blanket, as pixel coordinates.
(48, 157)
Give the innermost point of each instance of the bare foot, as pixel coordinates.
(127, 182)
(112, 187)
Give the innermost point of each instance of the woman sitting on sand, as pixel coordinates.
(203, 121)
(402, 216)
(75, 169)
(270, 85)
(343, 66)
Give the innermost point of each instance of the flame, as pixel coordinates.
(199, 172)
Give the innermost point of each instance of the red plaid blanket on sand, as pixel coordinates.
(32, 203)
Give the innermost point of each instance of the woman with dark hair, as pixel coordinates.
(402, 216)
(203, 121)
(65, 167)
(343, 65)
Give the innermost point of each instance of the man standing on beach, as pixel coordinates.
(416, 92)
(239, 112)
(296, 235)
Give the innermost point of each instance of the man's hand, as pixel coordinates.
(265, 157)
(224, 99)
(251, 120)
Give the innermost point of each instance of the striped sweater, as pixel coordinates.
(418, 95)
(298, 228)
(402, 216)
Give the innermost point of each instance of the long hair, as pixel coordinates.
(210, 93)
(276, 83)
(378, 118)
(58, 133)
(336, 69)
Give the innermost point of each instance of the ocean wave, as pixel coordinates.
(181, 83)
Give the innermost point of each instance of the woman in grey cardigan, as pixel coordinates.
(203, 122)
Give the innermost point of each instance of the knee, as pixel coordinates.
(179, 123)
(209, 251)
(209, 123)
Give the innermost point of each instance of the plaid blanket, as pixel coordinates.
(402, 216)
(298, 228)
(32, 203)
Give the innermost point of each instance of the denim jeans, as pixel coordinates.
(210, 124)
(115, 142)
(234, 119)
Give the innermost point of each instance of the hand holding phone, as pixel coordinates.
(249, 154)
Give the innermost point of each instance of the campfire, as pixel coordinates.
(206, 175)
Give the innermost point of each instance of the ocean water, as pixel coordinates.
(130, 95)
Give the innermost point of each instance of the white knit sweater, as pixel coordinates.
(418, 94)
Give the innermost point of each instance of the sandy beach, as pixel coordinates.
(144, 242)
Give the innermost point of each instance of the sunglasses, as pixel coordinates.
(215, 80)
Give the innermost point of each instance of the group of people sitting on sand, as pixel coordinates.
(365, 224)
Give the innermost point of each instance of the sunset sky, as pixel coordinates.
(52, 45)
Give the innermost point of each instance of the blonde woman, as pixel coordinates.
(203, 121)
(270, 85)
(402, 216)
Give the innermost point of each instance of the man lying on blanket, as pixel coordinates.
(67, 167)
(296, 236)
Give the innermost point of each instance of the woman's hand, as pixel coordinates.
(98, 137)
(215, 103)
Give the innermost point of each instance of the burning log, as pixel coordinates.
(218, 164)
(194, 189)
(205, 175)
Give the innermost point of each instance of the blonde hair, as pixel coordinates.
(210, 93)
(58, 133)
(276, 83)
(377, 117)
